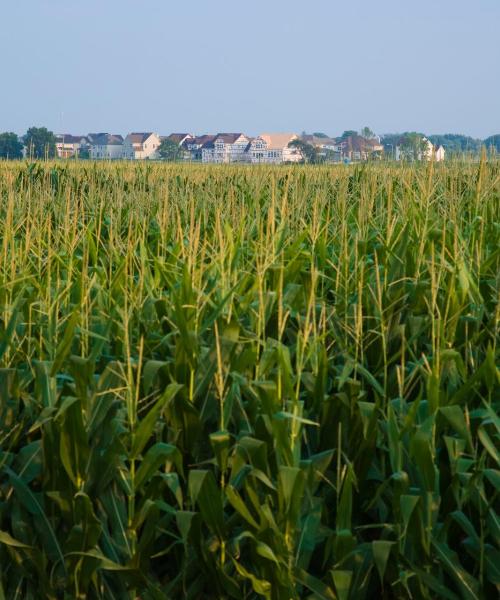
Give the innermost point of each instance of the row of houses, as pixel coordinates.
(219, 148)
(228, 147)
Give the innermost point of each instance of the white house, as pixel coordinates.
(141, 146)
(274, 148)
(439, 153)
(225, 148)
(105, 146)
(68, 145)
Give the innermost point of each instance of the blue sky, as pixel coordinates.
(218, 65)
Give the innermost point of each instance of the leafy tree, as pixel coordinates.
(308, 151)
(367, 133)
(10, 146)
(40, 142)
(169, 150)
(455, 143)
(493, 141)
(320, 134)
(413, 146)
(348, 133)
(390, 141)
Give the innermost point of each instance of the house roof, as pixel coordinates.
(277, 141)
(139, 138)
(228, 138)
(318, 141)
(105, 139)
(67, 138)
(357, 143)
(209, 142)
(197, 142)
(179, 137)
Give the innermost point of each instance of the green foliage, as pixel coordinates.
(412, 146)
(10, 146)
(456, 143)
(493, 142)
(308, 151)
(169, 150)
(367, 133)
(40, 143)
(249, 382)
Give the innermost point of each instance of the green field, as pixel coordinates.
(239, 382)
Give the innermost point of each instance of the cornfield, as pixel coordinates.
(241, 382)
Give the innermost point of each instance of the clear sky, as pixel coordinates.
(231, 65)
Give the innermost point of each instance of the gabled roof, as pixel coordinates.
(318, 141)
(179, 137)
(357, 143)
(197, 142)
(67, 138)
(228, 138)
(209, 141)
(105, 139)
(277, 141)
(139, 138)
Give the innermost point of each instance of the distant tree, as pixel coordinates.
(10, 146)
(493, 142)
(367, 133)
(40, 142)
(390, 141)
(348, 133)
(455, 143)
(319, 134)
(308, 151)
(169, 150)
(413, 146)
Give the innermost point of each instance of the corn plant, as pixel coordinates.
(249, 382)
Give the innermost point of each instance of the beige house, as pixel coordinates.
(68, 145)
(274, 148)
(141, 146)
(357, 147)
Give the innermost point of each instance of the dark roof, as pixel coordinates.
(67, 138)
(139, 138)
(228, 138)
(209, 143)
(178, 137)
(105, 139)
(357, 143)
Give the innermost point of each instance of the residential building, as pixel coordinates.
(225, 148)
(356, 147)
(141, 146)
(194, 146)
(180, 138)
(439, 153)
(105, 146)
(274, 148)
(68, 146)
(328, 148)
